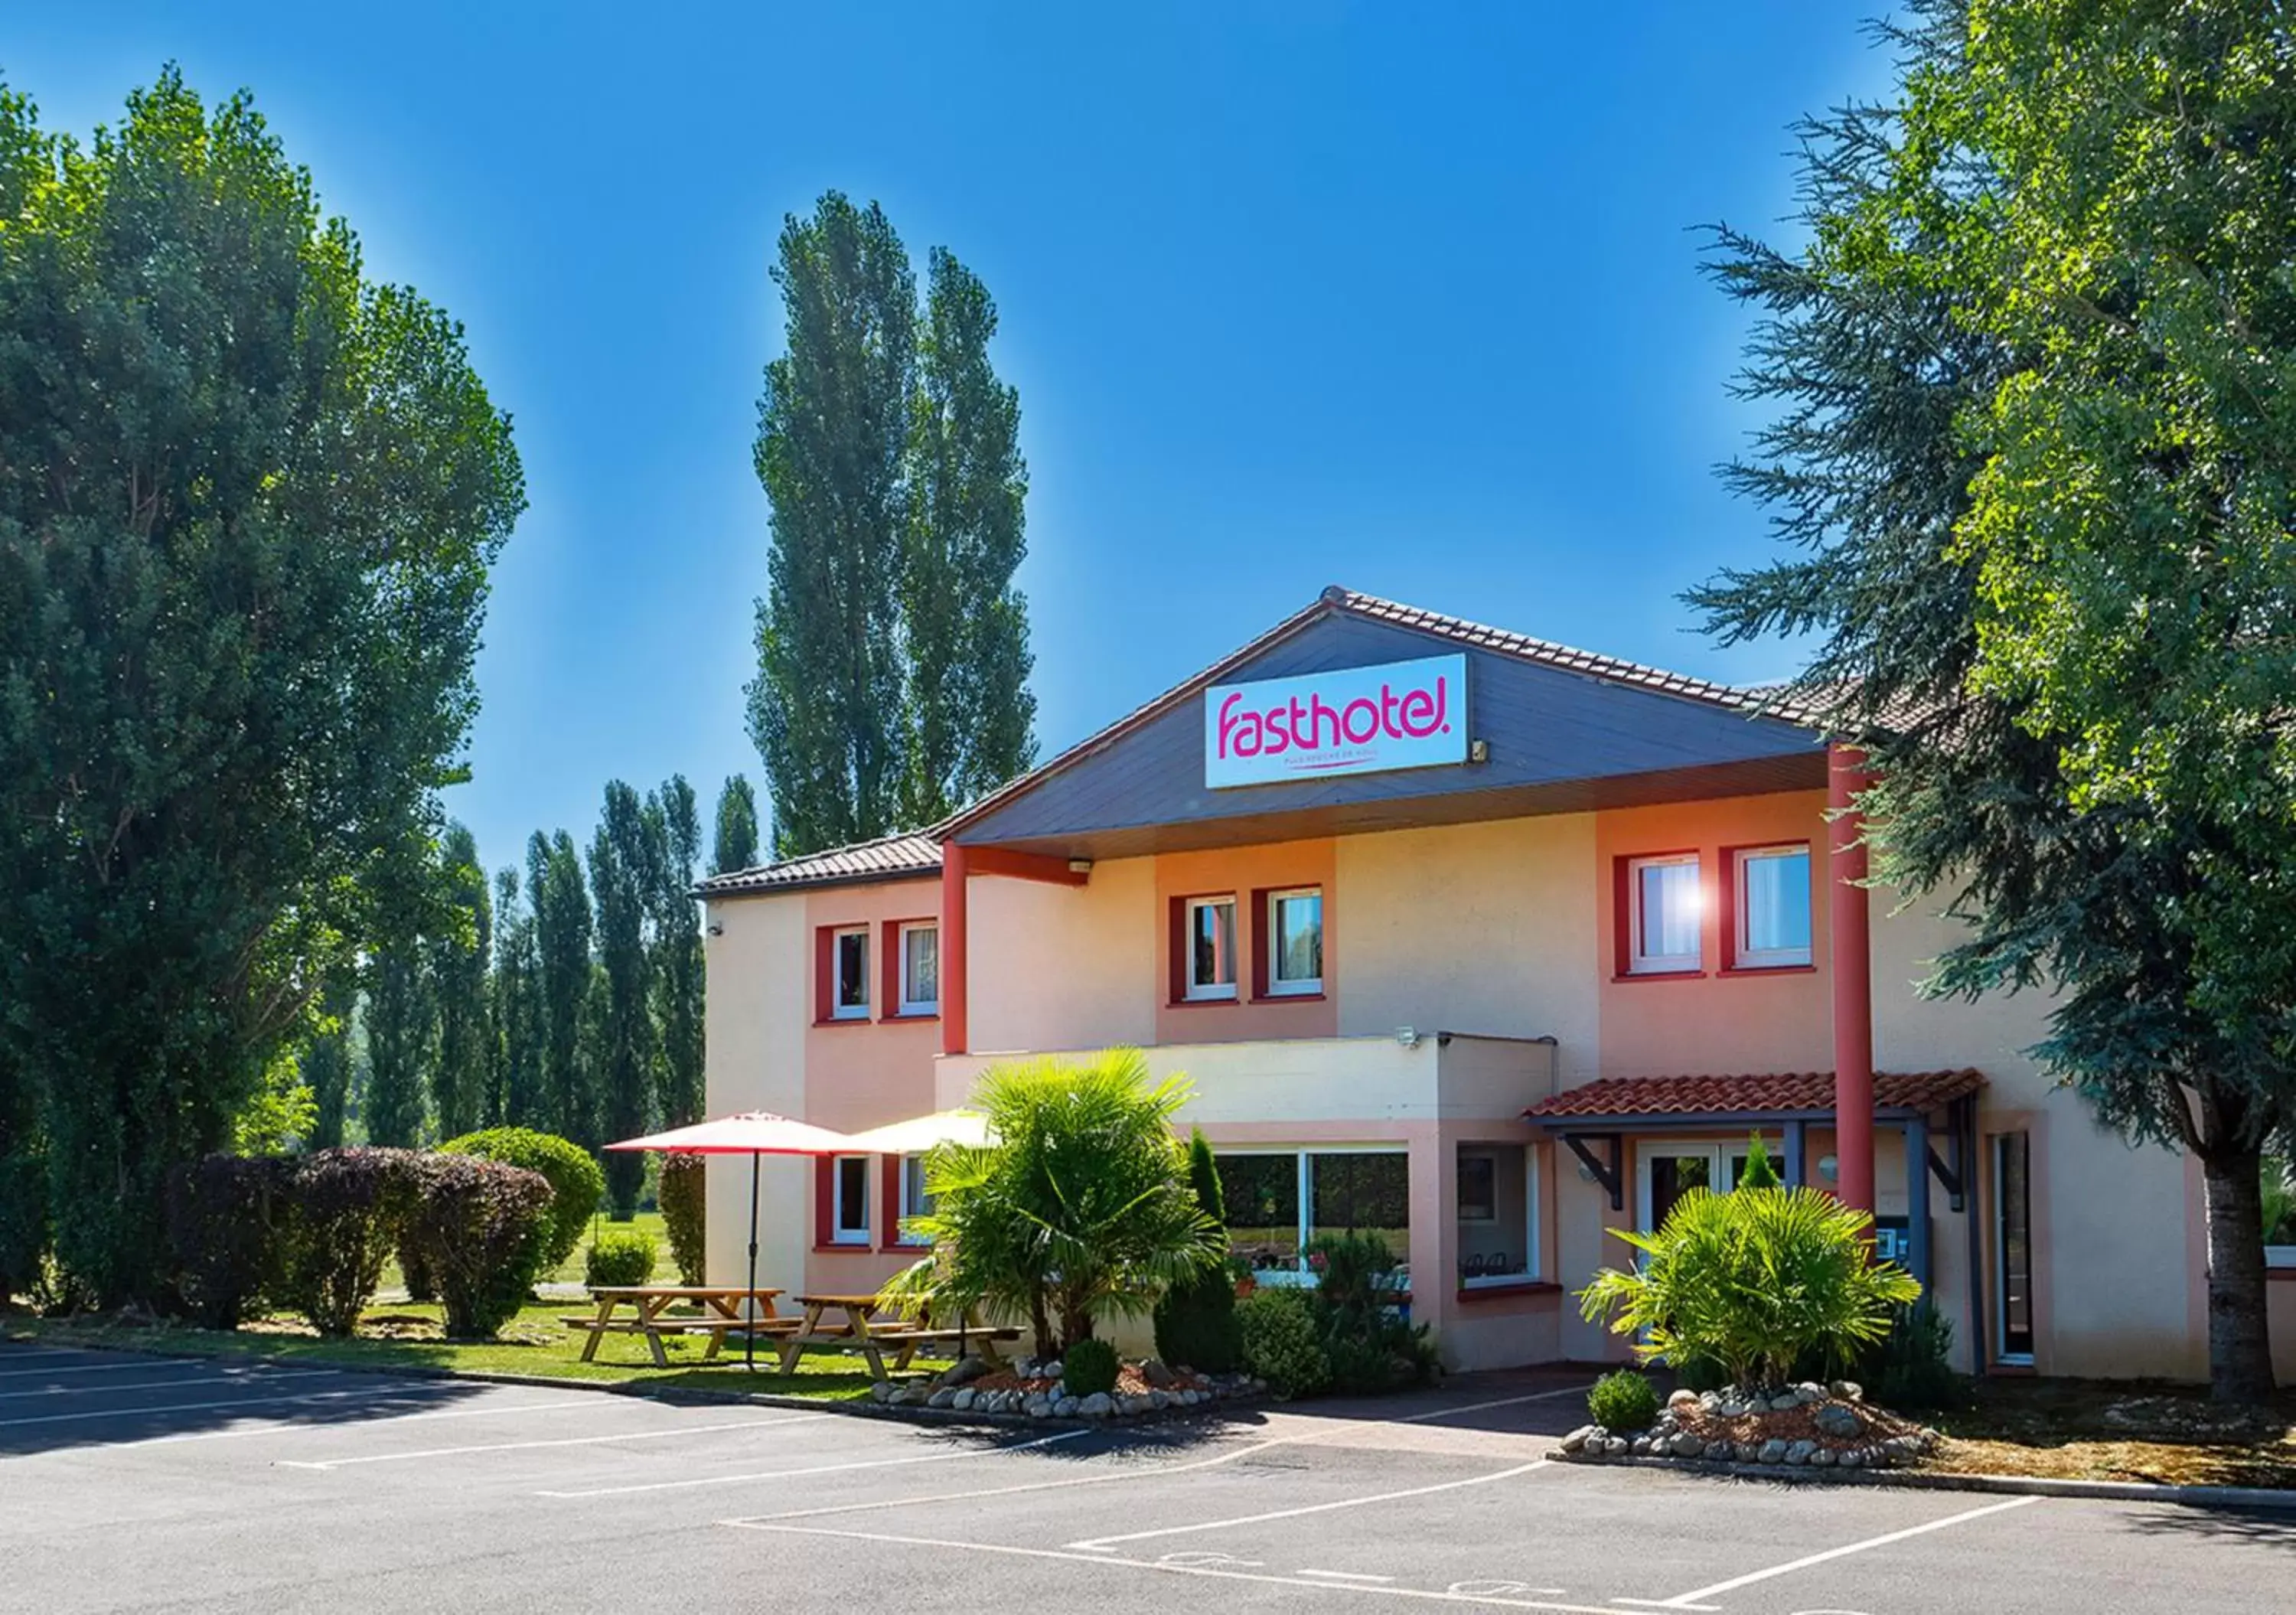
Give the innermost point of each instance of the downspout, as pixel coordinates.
(1853, 978)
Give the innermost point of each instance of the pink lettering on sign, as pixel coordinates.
(1319, 728)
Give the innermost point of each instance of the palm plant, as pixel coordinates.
(1754, 1281)
(1080, 1210)
(2279, 1191)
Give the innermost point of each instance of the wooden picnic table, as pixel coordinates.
(865, 1333)
(651, 1304)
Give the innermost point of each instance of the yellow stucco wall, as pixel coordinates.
(758, 975)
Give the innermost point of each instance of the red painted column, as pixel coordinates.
(954, 1035)
(1853, 981)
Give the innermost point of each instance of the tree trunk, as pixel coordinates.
(1040, 1320)
(2240, 1347)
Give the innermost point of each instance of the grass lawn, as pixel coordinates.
(535, 1342)
(2093, 1430)
(572, 1270)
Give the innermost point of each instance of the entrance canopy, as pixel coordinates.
(1651, 1104)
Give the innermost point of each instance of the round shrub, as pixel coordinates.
(345, 1210)
(1281, 1343)
(1089, 1368)
(685, 1180)
(478, 1226)
(620, 1256)
(1623, 1400)
(221, 1212)
(577, 1184)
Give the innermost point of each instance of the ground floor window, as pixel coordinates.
(2013, 1246)
(913, 1200)
(1499, 1214)
(1278, 1202)
(849, 1200)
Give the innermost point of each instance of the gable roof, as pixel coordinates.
(892, 857)
(1338, 604)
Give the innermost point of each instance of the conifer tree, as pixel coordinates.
(562, 971)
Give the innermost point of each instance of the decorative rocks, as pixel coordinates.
(1838, 1420)
(1097, 1405)
(1802, 1427)
(1031, 1388)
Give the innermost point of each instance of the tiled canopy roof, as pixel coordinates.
(1785, 1091)
(889, 858)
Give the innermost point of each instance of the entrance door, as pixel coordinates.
(2013, 1246)
(1670, 1171)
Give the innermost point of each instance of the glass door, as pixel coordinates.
(1668, 1172)
(2013, 1245)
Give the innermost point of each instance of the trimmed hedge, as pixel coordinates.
(577, 1184)
(1282, 1343)
(481, 1227)
(1088, 1368)
(684, 1211)
(619, 1257)
(1623, 1400)
(222, 1234)
(346, 1208)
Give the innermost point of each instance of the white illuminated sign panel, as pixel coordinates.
(1353, 720)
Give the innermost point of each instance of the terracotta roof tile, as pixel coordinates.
(888, 857)
(1745, 1096)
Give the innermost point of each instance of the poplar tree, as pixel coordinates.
(519, 1094)
(459, 957)
(562, 953)
(892, 647)
(833, 428)
(678, 973)
(626, 857)
(401, 1043)
(2032, 384)
(327, 1067)
(249, 498)
(736, 845)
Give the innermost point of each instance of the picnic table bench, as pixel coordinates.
(650, 1305)
(865, 1333)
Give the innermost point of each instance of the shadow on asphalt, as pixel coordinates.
(2272, 1528)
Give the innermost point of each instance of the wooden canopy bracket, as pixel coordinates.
(1610, 1174)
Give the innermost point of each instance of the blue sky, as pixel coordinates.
(1399, 297)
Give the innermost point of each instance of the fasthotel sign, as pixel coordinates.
(1352, 720)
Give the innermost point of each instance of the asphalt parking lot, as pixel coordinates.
(144, 1483)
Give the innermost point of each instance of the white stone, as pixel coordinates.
(943, 1398)
(1784, 1402)
(1096, 1405)
(1577, 1439)
(964, 1399)
(1065, 1407)
(1687, 1446)
(1038, 1406)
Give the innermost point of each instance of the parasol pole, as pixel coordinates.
(749, 1335)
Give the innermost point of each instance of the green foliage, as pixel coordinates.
(1912, 1366)
(893, 648)
(222, 1238)
(1195, 1319)
(478, 1226)
(677, 969)
(458, 955)
(1753, 1280)
(1760, 1174)
(736, 845)
(566, 1097)
(684, 1213)
(1079, 1211)
(345, 1210)
(325, 1064)
(576, 1182)
(1700, 1374)
(625, 855)
(1088, 1368)
(250, 502)
(518, 1098)
(620, 1255)
(1623, 1400)
(1370, 1348)
(279, 1114)
(2035, 386)
(401, 1040)
(1281, 1344)
(2278, 1198)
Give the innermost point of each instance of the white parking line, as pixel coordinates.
(173, 1407)
(1185, 1565)
(224, 1377)
(277, 1427)
(133, 1362)
(518, 1447)
(1690, 1600)
(1343, 1575)
(1102, 1543)
(1157, 1473)
(821, 1469)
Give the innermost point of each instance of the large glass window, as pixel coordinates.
(1295, 942)
(1773, 918)
(849, 964)
(2013, 1245)
(921, 969)
(1499, 1214)
(1210, 948)
(850, 1197)
(1277, 1203)
(1663, 896)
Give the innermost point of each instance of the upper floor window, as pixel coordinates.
(848, 963)
(918, 963)
(1295, 941)
(1772, 919)
(1207, 948)
(1663, 903)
